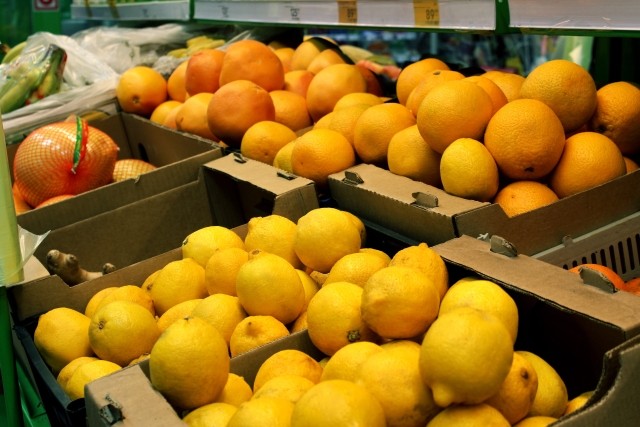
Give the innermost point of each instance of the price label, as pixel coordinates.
(347, 11)
(426, 13)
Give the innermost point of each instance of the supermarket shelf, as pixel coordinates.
(476, 15)
(152, 10)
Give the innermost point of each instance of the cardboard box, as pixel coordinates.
(428, 214)
(591, 337)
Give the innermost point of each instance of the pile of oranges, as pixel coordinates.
(521, 142)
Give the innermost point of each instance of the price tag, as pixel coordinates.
(426, 13)
(347, 11)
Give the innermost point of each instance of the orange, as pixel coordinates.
(304, 53)
(161, 112)
(412, 75)
(632, 285)
(191, 117)
(617, 115)
(298, 81)
(525, 138)
(588, 160)
(375, 128)
(54, 199)
(254, 61)
(607, 272)
(324, 59)
(498, 98)
(235, 107)
(631, 165)
(373, 84)
(285, 54)
(320, 153)
(523, 196)
(428, 82)
(203, 71)
(564, 86)
(291, 109)
(263, 140)
(176, 87)
(357, 98)
(510, 83)
(409, 155)
(19, 204)
(140, 90)
(452, 110)
(331, 84)
(170, 119)
(343, 120)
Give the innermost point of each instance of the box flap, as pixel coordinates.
(409, 207)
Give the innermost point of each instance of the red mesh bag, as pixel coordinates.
(63, 158)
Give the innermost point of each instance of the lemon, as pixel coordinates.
(68, 370)
(516, 394)
(399, 302)
(282, 160)
(485, 296)
(178, 311)
(289, 361)
(356, 268)
(87, 373)
(333, 317)
(480, 415)
(222, 311)
(323, 236)
(274, 234)
(128, 293)
(236, 390)
(178, 281)
(359, 225)
(551, 397)
(61, 336)
(95, 300)
(425, 259)
(121, 331)
(337, 403)
(393, 377)
(346, 362)
(215, 414)
(147, 284)
(536, 421)
(266, 411)
(578, 402)
(254, 331)
(286, 386)
(189, 363)
(377, 252)
(139, 359)
(465, 356)
(300, 324)
(221, 270)
(268, 285)
(202, 243)
(309, 285)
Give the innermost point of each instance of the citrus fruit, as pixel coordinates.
(254, 331)
(254, 61)
(479, 415)
(203, 71)
(564, 86)
(345, 363)
(282, 160)
(428, 261)
(191, 116)
(61, 336)
(323, 236)
(236, 390)
(607, 272)
(412, 75)
(468, 170)
(160, 113)
(376, 126)
(304, 53)
(271, 411)
(285, 54)
(264, 139)
(357, 98)
(452, 110)
(176, 87)
(215, 414)
(324, 59)
(68, 370)
(356, 268)
(616, 115)
(498, 98)
(329, 85)
(287, 362)
(95, 300)
(408, 154)
(221, 270)
(130, 169)
(268, 285)
(350, 404)
(222, 311)
(189, 363)
(178, 311)
(297, 81)
(291, 109)
(399, 302)
(131, 293)
(509, 83)
(551, 397)
(334, 319)
(86, 373)
(523, 196)
(465, 356)
(310, 287)
(202, 243)
(140, 89)
(578, 402)
(274, 234)
(342, 120)
(178, 281)
(536, 421)
(631, 165)
(428, 82)
(286, 386)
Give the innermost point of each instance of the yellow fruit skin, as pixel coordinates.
(235, 391)
(267, 411)
(425, 259)
(178, 281)
(215, 414)
(66, 372)
(86, 373)
(551, 397)
(480, 415)
(286, 386)
(254, 331)
(288, 361)
(346, 362)
(274, 234)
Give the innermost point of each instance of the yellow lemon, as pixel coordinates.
(148, 282)
(286, 386)
(266, 411)
(282, 160)
(274, 234)
(356, 268)
(359, 225)
(222, 311)
(95, 300)
(578, 402)
(178, 311)
(480, 415)
(189, 363)
(551, 397)
(536, 421)
(61, 336)
(408, 154)
(131, 293)
(254, 331)
(235, 391)
(202, 243)
(515, 397)
(393, 377)
(310, 287)
(465, 356)
(337, 403)
(86, 373)
(121, 331)
(221, 270)
(289, 361)
(345, 363)
(485, 296)
(323, 236)
(425, 259)
(68, 370)
(268, 285)
(215, 414)
(377, 252)
(333, 317)
(300, 324)
(178, 281)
